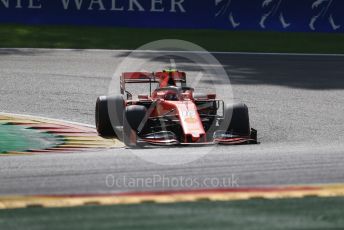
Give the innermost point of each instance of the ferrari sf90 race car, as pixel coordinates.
(171, 114)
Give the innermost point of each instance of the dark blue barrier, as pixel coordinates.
(258, 15)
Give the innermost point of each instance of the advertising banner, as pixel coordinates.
(254, 15)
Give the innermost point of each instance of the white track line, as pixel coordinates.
(170, 51)
(46, 118)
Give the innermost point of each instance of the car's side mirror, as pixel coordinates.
(186, 96)
(143, 97)
(211, 96)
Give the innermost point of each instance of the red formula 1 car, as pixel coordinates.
(171, 114)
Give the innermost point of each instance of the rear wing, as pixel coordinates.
(146, 77)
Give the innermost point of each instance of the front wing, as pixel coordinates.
(169, 139)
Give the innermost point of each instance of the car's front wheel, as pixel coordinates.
(134, 115)
(236, 119)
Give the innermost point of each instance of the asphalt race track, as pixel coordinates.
(296, 103)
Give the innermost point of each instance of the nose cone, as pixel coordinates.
(191, 122)
(195, 135)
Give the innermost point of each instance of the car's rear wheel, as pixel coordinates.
(236, 119)
(134, 115)
(109, 115)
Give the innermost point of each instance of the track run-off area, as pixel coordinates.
(296, 103)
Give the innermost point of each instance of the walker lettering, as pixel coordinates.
(172, 6)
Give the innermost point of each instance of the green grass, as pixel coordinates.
(20, 139)
(309, 213)
(124, 38)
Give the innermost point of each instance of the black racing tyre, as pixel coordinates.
(134, 114)
(109, 114)
(236, 118)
